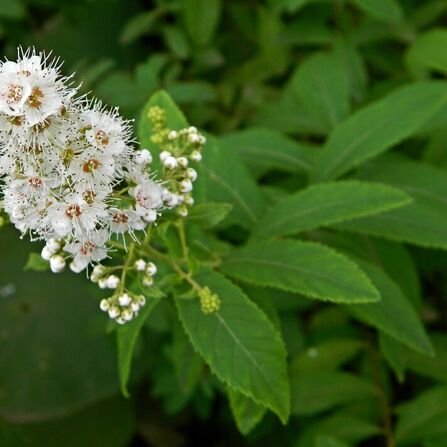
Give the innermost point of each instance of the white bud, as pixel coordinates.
(140, 265)
(135, 307)
(149, 216)
(143, 157)
(148, 281)
(98, 270)
(192, 129)
(57, 263)
(104, 305)
(164, 155)
(151, 269)
(114, 312)
(127, 315)
(124, 299)
(196, 156)
(170, 163)
(76, 268)
(192, 174)
(189, 200)
(183, 211)
(102, 283)
(173, 201)
(182, 161)
(46, 253)
(166, 195)
(53, 244)
(202, 139)
(112, 282)
(120, 320)
(172, 135)
(186, 186)
(141, 300)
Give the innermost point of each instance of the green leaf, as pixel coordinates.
(395, 354)
(127, 336)
(393, 314)
(386, 10)
(316, 391)
(422, 222)
(202, 18)
(324, 204)
(246, 412)
(302, 267)
(423, 418)
(379, 126)
(138, 25)
(208, 215)
(264, 149)
(426, 52)
(36, 263)
(321, 83)
(239, 343)
(174, 118)
(329, 441)
(224, 178)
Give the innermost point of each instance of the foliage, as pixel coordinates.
(317, 238)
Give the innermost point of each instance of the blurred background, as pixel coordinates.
(228, 64)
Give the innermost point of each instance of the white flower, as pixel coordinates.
(85, 252)
(143, 157)
(148, 196)
(123, 221)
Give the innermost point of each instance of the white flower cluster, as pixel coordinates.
(70, 175)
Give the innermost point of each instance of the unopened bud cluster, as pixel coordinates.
(180, 148)
(209, 301)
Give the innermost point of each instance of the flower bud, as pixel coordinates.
(127, 315)
(170, 163)
(104, 305)
(124, 300)
(113, 312)
(196, 156)
(112, 282)
(182, 161)
(149, 216)
(192, 174)
(151, 269)
(164, 155)
(98, 270)
(189, 200)
(57, 263)
(172, 135)
(135, 307)
(46, 253)
(186, 186)
(143, 157)
(53, 244)
(102, 283)
(148, 281)
(183, 211)
(140, 265)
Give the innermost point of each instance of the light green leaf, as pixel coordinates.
(202, 18)
(127, 336)
(174, 117)
(246, 412)
(427, 52)
(393, 314)
(239, 343)
(321, 83)
(423, 417)
(264, 149)
(379, 126)
(208, 215)
(328, 203)
(316, 391)
(302, 267)
(422, 222)
(224, 178)
(36, 263)
(386, 10)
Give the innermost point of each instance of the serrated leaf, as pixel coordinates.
(264, 149)
(246, 412)
(324, 204)
(423, 418)
(393, 314)
(316, 391)
(379, 126)
(239, 344)
(224, 178)
(127, 336)
(302, 267)
(321, 83)
(207, 215)
(387, 10)
(422, 222)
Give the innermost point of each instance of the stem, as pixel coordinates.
(181, 231)
(126, 267)
(383, 400)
